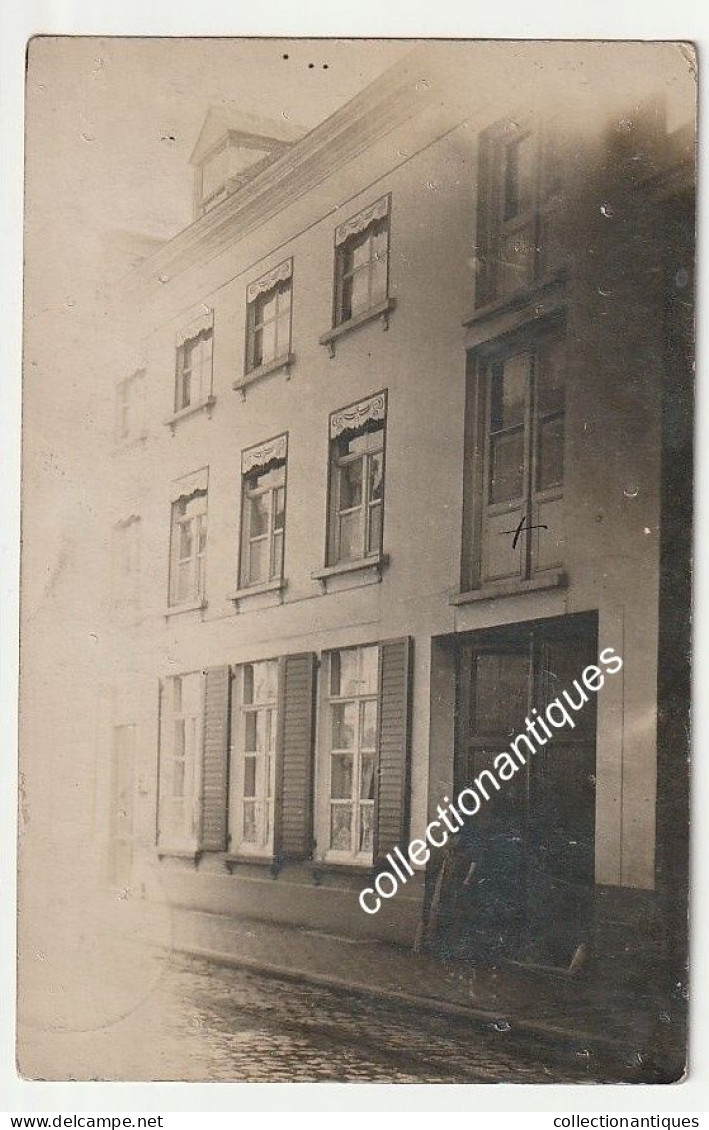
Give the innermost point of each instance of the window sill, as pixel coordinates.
(324, 867)
(513, 301)
(240, 595)
(190, 410)
(235, 858)
(192, 606)
(131, 441)
(285, 362)
(168, 851)
(553, 579)
(377, 562)
(382, 311)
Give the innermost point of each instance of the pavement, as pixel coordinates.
(97, 976)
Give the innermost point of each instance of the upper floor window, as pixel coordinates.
(357, 446)
(188, 543)
(193, 371)
(180, 759)
(126, 564)
(263, 512)
(519, 207)
(362, 262)
(268, 317)
(514, 498)
(130, 407)
(253, 758)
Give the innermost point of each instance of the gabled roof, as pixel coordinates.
(226, 117)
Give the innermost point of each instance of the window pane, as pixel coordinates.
(258, 561)
(379, 281)
(279, 513)
(519, 176)
(185, 540)
(185, 581)
(380, 241)
(506, 466)
(359, 293)
(268, 343)
(251, 730)
(184, 393)
(266, 307)
(508, 391)
(265, 681)
(501, 688)
(249, 776)
(376, 476)
(179, 737)
(344, 717)
(551, 373)
(368, 737)
(249, 821)
(195, 504)
(359, 251)
(366, 782)
(550, 460)
(259, 517)
(178, 779)
(341, 777)
(283, 335)
(516, 259)
(344, 672)
(350, 536)
(374, 532)
(192, 693)
(277, 564)
(340, 827)
(369, 667)
(365, 828)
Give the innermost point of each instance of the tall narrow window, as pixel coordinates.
(130, 408)
(193, 373)
(188, 551)
(180, 760)
(263, 516)
(519, 206)
(254, 758)
(268, 318)
(357, 447)
(518, 492)
(362, 262)
(126, 565)
(352, 730)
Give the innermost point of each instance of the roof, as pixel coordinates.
(227, 117)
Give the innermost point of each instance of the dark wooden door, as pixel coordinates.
(533, 842)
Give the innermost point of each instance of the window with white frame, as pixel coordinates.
(362, 262)
(268, 317)
(357, 448)
(263, 512)
(188, 542)
(181, 727)
(517, 492)
(130, 408)
(253, 758)
(351, 735)
(193, 371)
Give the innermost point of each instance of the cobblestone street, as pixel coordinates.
(200, 1021)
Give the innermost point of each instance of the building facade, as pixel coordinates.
(394, 421)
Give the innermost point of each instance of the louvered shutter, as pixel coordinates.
(391, 803)
(294, 770)
(215, 759)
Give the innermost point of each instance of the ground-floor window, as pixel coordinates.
(180, 759)
(253, 757)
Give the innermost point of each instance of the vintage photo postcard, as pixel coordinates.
(357, 479)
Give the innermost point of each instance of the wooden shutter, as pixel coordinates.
(215, 761)
(294, 770)
(159, 775)
(391, 803)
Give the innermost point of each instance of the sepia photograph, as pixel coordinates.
(357, 448)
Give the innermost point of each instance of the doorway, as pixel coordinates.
(531, 847)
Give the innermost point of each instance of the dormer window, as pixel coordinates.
(232, 147)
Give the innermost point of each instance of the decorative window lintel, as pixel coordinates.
(373, 409)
